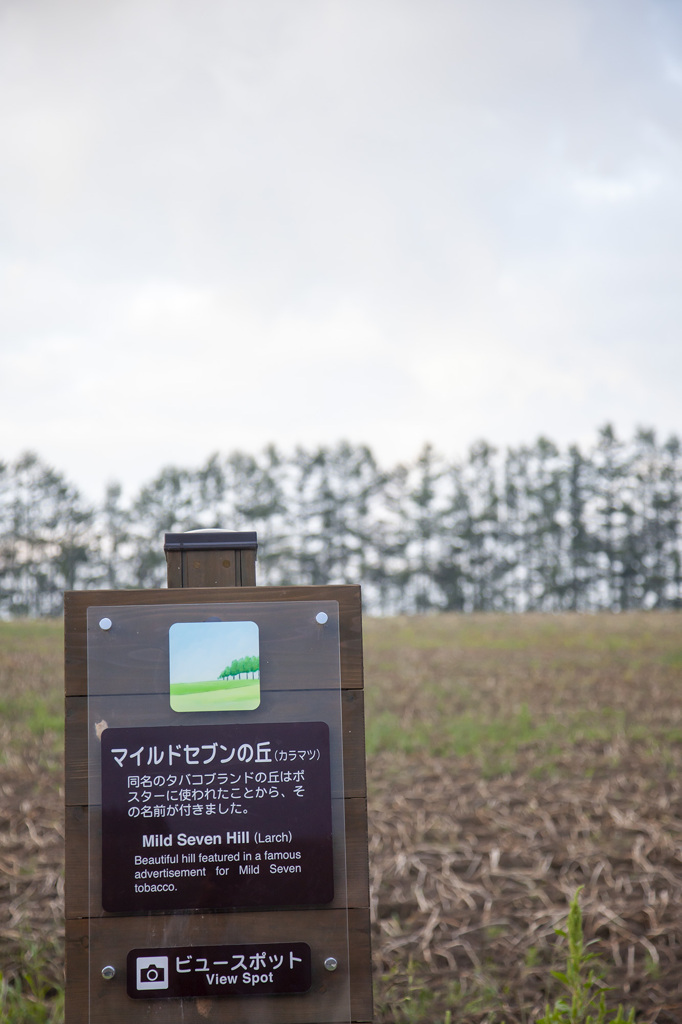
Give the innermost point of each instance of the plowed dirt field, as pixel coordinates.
(511, 760)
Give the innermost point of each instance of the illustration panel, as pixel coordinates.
(214, 666)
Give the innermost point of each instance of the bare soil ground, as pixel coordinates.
(31, 808)
(31, 866)
(471, 877)
(512, 760)
(474, 858)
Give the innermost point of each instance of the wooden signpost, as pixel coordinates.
(216, 845)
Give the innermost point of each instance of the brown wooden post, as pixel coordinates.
(210, 565)
(221, 558)
(211, 558)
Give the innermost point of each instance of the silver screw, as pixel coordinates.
(321, 617)
(108, 972)
(331, 963)
(105, 623)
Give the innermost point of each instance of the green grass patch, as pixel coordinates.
(177, 689)
(244, 698)
(493, 743)
(31, 686)
(673, 659)
(24, 636)
(501, 688)
(216, 695)
(32, 995)
(33, 714)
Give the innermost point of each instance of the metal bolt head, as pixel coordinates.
(108, 972)
(105, 623)
(331, 963)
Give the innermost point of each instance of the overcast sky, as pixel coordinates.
(236, 222)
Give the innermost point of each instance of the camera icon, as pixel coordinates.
(152, 972)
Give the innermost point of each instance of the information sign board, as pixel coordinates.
(215, 773)
(216, 816)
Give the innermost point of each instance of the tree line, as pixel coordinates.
(532, 527)
(238, 667)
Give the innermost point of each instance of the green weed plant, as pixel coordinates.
(585, 999)
(32, 996)
(408, 999)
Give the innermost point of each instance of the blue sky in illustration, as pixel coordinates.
(199, 651)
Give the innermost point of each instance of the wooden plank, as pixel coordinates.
(247, 568)
(210, 568)
(359, 943)
(75, 751)
(77, 603)
(174, 568)
(82, 881)
(133, 657)
(93, 944)
(76, 746)
(353, 726)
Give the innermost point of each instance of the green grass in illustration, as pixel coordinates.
(216, 695)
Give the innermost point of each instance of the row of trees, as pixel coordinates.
(527, 528)
(238, 667)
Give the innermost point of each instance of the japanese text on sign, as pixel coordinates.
(217, 971)
(217, 820)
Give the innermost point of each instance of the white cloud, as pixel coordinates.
(394, 221)
(638, 185)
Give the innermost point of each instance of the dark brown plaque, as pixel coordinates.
(268, 968)
(210, 816)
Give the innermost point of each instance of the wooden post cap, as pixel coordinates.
(211, 558)
(211, 540)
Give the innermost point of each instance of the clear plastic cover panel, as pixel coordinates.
(216, 832)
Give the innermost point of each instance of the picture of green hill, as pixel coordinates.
(214, 666)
